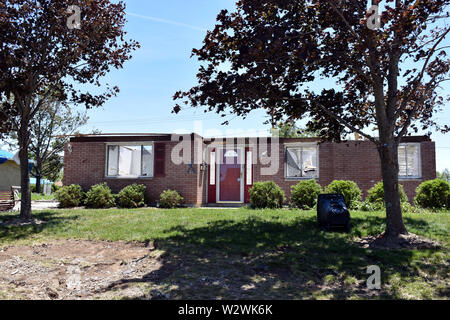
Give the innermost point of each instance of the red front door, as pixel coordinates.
(230, 176)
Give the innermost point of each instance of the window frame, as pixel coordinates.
(129, 144)
(301, 145)
(419, 176)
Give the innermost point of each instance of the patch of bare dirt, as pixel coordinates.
(409, 241)
(71, 269)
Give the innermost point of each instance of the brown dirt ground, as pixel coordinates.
(407, 242)
(86, 270)
(71, 269)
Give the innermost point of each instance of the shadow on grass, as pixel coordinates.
(51, 220)
(267, 259)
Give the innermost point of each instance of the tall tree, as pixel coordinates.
(289, 129)
(384, 77)
(52, 123)
(444, 175)
(55, 48)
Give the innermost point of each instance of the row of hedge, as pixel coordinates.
(433, 194)
(100, 196)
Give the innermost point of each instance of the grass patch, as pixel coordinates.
(40, 197)
(258, 254)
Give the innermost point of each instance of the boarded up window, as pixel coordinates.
(129, 161)
(301, 162)
(113, 161)
(147, 161)
(409, 160)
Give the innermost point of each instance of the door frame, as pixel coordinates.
(219, 156)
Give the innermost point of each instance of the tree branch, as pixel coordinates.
(411, 112)
(340, 120)
(331, 2)
(347, 124)
(420, 76)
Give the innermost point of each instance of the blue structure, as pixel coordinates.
(5, 156)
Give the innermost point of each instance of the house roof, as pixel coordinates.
(138, 137)
(119, 137)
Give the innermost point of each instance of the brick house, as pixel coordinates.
(221, 171)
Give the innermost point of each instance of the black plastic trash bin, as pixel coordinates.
(332, 212)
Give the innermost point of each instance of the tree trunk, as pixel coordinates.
(25, 203)
(38, 184)
(389, 167)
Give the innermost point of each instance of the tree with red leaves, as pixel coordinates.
(383, 71)
(52, 49)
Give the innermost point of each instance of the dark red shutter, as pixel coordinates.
(160, 159)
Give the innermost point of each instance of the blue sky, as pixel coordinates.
(167, 32)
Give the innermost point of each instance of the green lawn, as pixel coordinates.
(41, 197)
(259, 254)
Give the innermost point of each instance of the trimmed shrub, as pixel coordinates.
(69, 196)
(266, 195)
(132, 196)
(349, 189)
(100, 196)
(376, 194)
(170, 199)
(305, 193)
(433, 194)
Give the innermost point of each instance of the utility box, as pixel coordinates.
(332, 212)
(47, 189)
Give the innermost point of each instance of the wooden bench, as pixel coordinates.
(7, 200)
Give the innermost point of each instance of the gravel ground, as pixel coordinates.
(39, 205)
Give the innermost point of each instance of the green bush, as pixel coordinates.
(305, 193)
(132, 196)
(433, 194)
(170, 199)
(33, 188)
(349, 189)
(100, 196)
(69, 196)
(54, 188)
(367, 206)
(266, 195)
(408, 208)
(376, 194)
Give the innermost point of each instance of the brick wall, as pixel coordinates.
(356, 161)
(85, 166)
